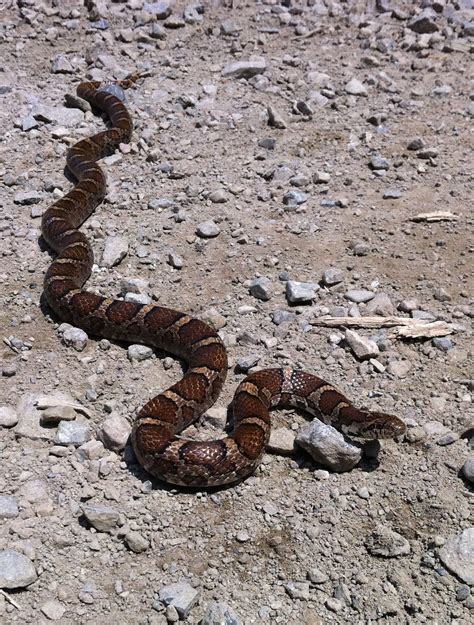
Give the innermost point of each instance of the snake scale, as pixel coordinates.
(155, 429)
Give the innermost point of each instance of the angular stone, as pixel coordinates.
(245, 69)
(333, 276)
(219, 613)
(8, 507)
(301, 292)
(424, 22)
(328, 447)
(16, 570)
(381, 305)
(356, 87)
(53, 610)
(208, 229)
(458, 555)
(261, 288)
(8, 417)
(387, 543)
(115, 249)
(114, 432)
(137, 352)
(102, 518)
(73, 433)
(180, 595)
(361, 346)
(282, 440)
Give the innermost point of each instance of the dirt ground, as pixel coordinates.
(374, 107)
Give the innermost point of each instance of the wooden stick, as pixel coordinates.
(403, 326)
(435, 216)
(10, 600)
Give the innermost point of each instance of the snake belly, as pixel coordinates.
(162, 418)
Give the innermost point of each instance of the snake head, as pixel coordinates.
(381, 425)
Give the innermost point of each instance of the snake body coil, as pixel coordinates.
(159, 451)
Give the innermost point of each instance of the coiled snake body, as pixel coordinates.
(158, 450)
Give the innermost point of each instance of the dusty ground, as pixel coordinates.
(293, 544)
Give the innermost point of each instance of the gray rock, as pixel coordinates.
(137, 352)
(247, 362)
(16, 570)
(115, 249)
(54, 414)
(328, 447)
(8, 417)
(316, 576)
(360, 248)
(134, 285)
(416, 144)
(298, 590)
(361, 346)
(356, 87)
(399, 368)
(468, 470)
(28, 122)
(407, 305)
(175, 260)
(114, 432)
(181, 595)
(387, 543)
(245, 69)
(333, 276)
(424, 22)
(359, 296)
(8, 507)
(275, 119)
(293, 198)
(321, 177)
(53, 610)
(73, 433)
(26, 198)
(301, 292)
(282, 316)
(282, 440)
(219, 613)
(219, 196)
(443, 343)
(333, 604)
(74, 337)
(378, 162)
(458, 555)
(393, 193)
(261, 288)
(59, 115)
(136, 542)
(381, 305)
(29, 419)
(102, 518)
(208, 229)
(61, 65)
(161, 9)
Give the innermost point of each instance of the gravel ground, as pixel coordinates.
(275, 144)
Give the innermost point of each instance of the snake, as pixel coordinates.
(155, 433)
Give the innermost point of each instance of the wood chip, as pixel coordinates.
(435, 216)
(403, 327)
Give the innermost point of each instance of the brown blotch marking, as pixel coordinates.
(68, 268)
(329, 400)
(85, 303)
(285, 400)
(268, 378)
(152, 438)
(193, 387)
(159, 318)
(349, 414)
(208, 454)
(250, 439)
(77, 250)
(162, 408)
(212, 356)
(194, 331)
(120, 313)
(246, 405)
(56, 288)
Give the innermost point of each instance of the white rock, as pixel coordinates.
(75, 337)
(114, 432)
(355, 87)
(328, 447)
(219, 613)
(381, 305)
(361, 346)
(73, 433)
(115, 249)
(300, 292)
(53, 610)
(8, 417)
(181, 595)
(282, 440)
(458, 555)
(8, 507)
(137, 352)
(208, 229)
